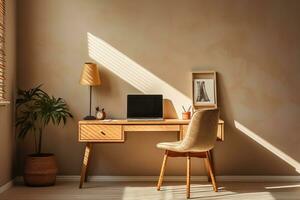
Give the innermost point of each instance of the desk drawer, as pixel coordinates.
(100, 133)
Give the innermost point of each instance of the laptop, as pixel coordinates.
(144, 107)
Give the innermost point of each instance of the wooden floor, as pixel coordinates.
(147, 190)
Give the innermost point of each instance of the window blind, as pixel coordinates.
(2, 50)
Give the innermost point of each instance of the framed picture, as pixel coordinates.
(204, 92)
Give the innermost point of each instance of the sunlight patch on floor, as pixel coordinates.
(198, 191)
(147, 190)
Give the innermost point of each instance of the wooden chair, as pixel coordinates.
(198, 141)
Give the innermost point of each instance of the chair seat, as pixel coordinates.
(178, 146)
(171, 146)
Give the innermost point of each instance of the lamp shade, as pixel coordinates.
(90, 75)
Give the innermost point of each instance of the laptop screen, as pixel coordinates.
(144, 106)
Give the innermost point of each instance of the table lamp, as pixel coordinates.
(90, 76)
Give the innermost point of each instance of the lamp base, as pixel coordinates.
(89, 118)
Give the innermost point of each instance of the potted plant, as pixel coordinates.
(35, 110)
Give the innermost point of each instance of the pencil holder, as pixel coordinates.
(186, 115)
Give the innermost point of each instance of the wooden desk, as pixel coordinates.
(100, 131)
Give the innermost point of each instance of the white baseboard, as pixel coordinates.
(177, 178)
(6, 186)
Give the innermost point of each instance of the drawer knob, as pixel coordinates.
(102, 133)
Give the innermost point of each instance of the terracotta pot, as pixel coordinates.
(40, 170)
(186, 115)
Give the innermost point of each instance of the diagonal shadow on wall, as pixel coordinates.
(133, 73)
(280, 154)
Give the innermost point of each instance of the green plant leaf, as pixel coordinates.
(36, 109)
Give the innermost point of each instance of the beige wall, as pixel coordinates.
(7, 142)
(253, 45)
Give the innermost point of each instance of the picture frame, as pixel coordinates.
(204, 93)
(204, 89)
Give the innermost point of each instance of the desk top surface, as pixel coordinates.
(125, 122)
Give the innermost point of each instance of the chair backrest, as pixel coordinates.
(202, 131)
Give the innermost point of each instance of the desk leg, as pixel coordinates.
(180, 133)
(85, 162)
(88, 163)
(210, 158)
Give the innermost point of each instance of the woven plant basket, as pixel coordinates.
(40, 170)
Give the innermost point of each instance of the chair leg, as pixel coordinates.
(208, 174)
(212, 165)
(188, 176)
(162, 171)
(212, 176)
